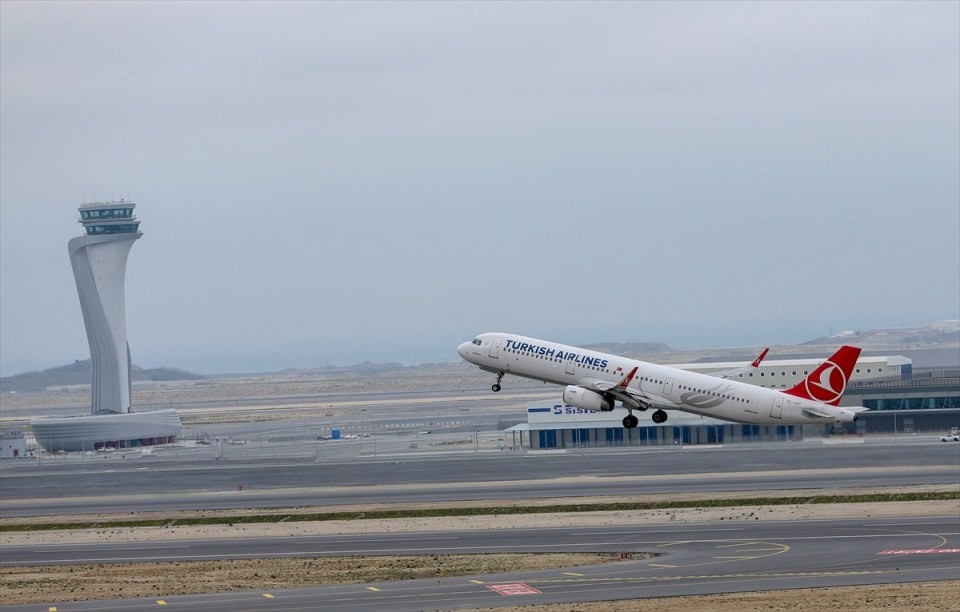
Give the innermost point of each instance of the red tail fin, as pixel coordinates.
(828, 382)
(626, 381)
(756, 362)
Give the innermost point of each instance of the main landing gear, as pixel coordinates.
(496, 386)
(630, 421)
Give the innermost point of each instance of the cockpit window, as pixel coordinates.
(477, 341)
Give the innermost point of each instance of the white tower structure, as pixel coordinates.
(99, 260)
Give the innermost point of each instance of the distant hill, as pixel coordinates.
(79, 373)
(940, 334)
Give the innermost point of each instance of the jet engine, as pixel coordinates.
(586, 399)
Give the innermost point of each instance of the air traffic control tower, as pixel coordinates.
(99, 260)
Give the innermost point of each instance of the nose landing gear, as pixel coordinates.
(496, 386)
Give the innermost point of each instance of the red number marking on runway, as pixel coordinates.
(513, 589)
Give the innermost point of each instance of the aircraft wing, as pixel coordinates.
(620, 390)
(752, 367)
(608, 386)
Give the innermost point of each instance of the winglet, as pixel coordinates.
(756, 362)
(626, 381)
(828, 382)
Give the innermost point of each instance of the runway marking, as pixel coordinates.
(769, 549)
(375, 589)
(657, 531)
(572, 574)
(351, 540)
(52, 609)
(919, 551)
(713, 576)
(477, 582)
(146, 546)
(661, 565)
(951, 521)
(268, 595)
(160, 602)
(760, 549)
(808, 538)
(517, 588)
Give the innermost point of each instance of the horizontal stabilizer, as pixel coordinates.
(817, 412)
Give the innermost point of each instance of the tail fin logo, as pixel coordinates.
(830, 386)
(626, 381)
(828, 382)
(756, 362)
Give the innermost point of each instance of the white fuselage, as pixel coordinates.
(660, 387)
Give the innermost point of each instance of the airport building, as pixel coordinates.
(560, 426)
(785, 373)
(99, 260)
(898, 401)
(13, 445)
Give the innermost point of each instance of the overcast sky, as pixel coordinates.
(325, 183)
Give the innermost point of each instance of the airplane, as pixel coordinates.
(752, 367)
(597, 381)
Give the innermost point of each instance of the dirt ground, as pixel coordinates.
(895, 597)
(113, 581)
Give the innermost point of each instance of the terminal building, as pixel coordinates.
(99, 260)
(785, 373)
(899, 402)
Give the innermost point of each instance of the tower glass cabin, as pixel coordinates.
(109, 218)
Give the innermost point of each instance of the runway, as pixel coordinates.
(114, 485)
(691, 559)
(695, 558)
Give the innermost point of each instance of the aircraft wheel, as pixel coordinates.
(495, 387)
(659, 417)
(630, 421)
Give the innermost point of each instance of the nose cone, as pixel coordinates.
(463, 349)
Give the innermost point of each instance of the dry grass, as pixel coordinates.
(54, 584)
